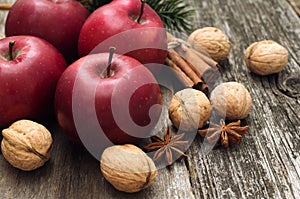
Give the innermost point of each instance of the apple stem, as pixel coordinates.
(111, 54)
(142, 10)
(10, 53)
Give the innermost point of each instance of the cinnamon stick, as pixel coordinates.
(201, 85)
(200, 61)
(200, 52)
(185, 72)
(203, 64)
(184, 66)
(205, 57)
(187, 82)
(208, 73)
(5, 6)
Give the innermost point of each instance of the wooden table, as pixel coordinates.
(265, 165)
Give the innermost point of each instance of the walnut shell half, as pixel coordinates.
(189, 109)
(266, 57)
(26, 145)
(127, 168)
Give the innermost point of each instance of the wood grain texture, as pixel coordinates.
(265, 165)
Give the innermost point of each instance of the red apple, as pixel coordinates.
(30, 68)
(146, 42)
(57, 21)
(122, 107)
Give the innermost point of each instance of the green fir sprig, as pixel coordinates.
(175, 14)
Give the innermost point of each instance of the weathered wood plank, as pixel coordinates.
(265, 165)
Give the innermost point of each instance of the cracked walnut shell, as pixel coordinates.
(211, 40)
(26, 145)
(127, 168)
(266, 57)
(189, 109)
(232, 100)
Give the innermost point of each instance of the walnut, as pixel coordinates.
(266, 57)
(26, 145)
(2, 36)
(232, 100)
(127, 168)
(189, 109)
(212, 40)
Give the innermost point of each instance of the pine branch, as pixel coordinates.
(175, 14)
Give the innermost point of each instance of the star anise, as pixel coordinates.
(224, 134)
(168, 147)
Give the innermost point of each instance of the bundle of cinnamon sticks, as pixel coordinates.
(194, 69)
